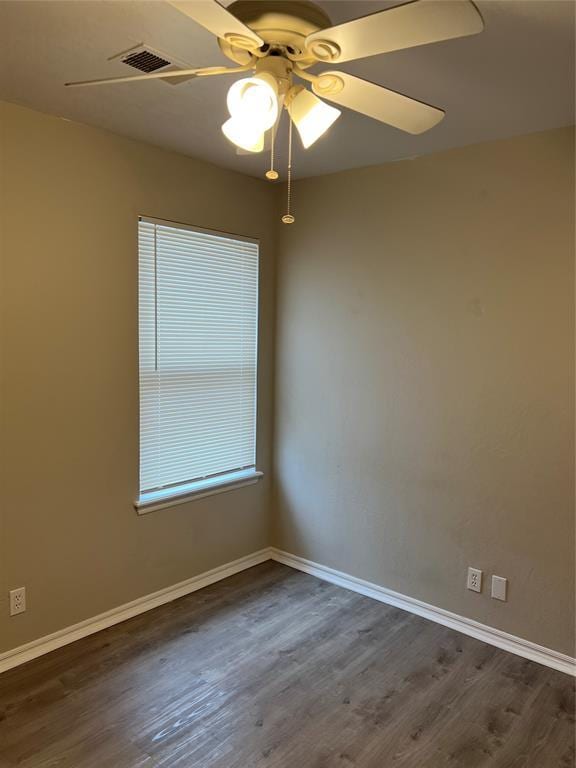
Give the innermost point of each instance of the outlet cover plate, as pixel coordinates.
(474, 579)
(17, 601)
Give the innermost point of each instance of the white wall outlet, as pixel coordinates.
(499, 587)
(474, 580)
(17, 601)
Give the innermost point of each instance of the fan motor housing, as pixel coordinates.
(281, 24)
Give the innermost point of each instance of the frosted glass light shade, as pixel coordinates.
(243, 135)
(255, 99)
(311, 116)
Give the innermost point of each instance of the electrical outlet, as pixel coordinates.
(17, 601)
(499, 586)
(474, 580)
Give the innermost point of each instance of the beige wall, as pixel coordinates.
(424, 376)
(425, 390)
(68, 530)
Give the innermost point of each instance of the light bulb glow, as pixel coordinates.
(243, 135)
(255, 99)
(311, 116)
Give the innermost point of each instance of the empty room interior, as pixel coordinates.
(287, 423)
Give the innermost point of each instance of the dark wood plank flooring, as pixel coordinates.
(276, 669)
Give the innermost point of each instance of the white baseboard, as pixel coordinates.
(24, 653)
(517, 645)
(497, 637)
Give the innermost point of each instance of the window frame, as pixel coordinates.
(182, 493)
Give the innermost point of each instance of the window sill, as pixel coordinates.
(150, 502)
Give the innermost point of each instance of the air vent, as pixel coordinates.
(145, 61)
(148, 60)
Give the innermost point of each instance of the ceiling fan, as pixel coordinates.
(278, 41)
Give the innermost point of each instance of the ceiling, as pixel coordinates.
(516, 77)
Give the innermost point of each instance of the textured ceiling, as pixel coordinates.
(516, 77)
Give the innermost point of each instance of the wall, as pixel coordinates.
(71, 195)
(424, 386)
(425, 379)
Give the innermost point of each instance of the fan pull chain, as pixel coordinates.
(288, 218)
(272, 174)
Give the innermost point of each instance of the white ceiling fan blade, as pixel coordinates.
(405, 26)
(188, 73)
(377, 102)
(218, 20)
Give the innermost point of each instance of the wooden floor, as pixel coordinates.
(275, 669)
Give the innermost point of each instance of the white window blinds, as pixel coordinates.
(198, 311)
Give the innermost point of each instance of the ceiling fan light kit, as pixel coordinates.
(279, 40)
(253, 103)
(311, 116)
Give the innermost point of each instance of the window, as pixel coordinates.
(198, 321)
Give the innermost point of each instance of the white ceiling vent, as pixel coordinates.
(147, 60)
